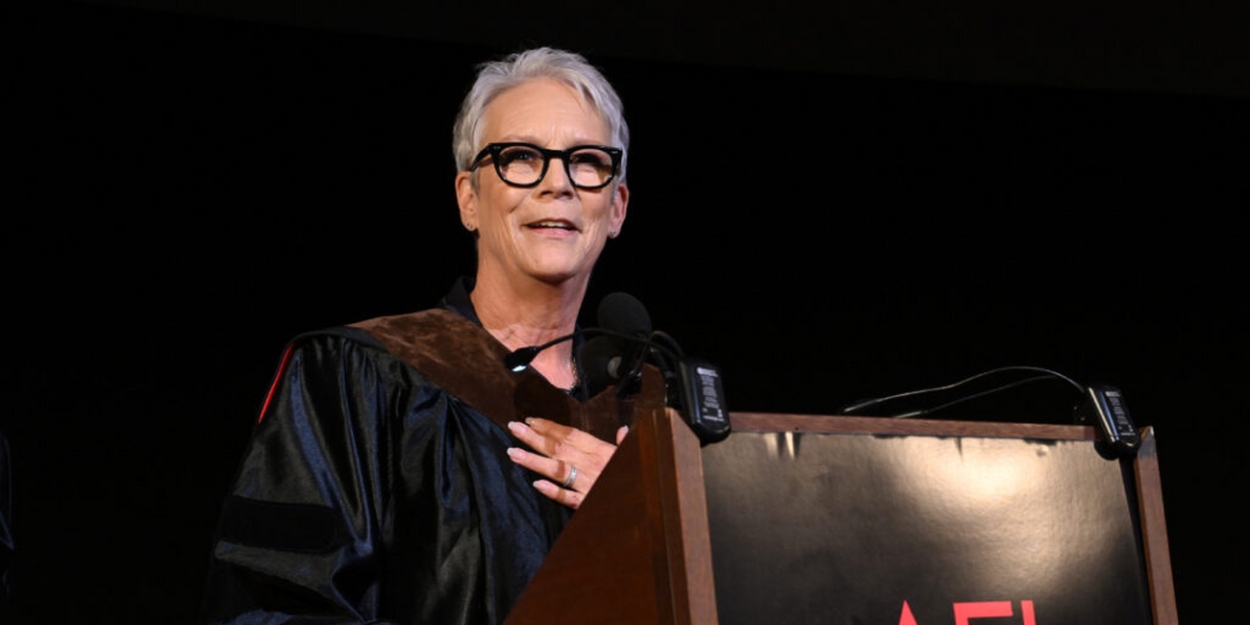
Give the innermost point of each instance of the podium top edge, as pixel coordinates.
(784, 422)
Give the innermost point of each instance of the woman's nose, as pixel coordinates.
(556, 180)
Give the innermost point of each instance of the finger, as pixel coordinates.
(549, 489)
(555, 470)
(564, 443)
(570, 476)
(552, 457)
(543, 443)
(564, 437)
(563, 434)
(621, 433)
(570, 498)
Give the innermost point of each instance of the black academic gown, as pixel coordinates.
(377, 487)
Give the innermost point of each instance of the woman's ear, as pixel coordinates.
(466, 197)
(620, 204)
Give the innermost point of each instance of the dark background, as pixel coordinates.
(831, 206)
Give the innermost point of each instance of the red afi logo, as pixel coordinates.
(966, 611)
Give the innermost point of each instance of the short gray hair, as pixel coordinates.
(569, 68)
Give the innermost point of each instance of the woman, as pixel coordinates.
(385, 482)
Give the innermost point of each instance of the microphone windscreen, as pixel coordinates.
(622, 312)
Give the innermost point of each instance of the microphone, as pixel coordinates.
(519, 359)
(603, 362)
(624, 344)
(692, 386)
(622, 313)
(623, 319)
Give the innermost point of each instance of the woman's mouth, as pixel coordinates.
(557, 224)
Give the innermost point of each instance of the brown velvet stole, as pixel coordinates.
(465, 360)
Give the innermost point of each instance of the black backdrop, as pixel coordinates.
(188, 193)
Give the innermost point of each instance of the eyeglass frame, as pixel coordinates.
(493, 149)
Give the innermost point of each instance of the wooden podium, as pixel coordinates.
(825, 519)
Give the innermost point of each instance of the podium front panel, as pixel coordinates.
(852, 528)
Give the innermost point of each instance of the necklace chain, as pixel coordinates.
(577, 376)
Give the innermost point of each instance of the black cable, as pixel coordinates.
(917, 413)
(880, 400)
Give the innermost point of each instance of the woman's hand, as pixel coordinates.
(570, 458)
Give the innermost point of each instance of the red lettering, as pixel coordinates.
(967, 611)
(1026, 609)
(906, 617)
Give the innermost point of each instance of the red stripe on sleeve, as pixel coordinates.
(273, 387)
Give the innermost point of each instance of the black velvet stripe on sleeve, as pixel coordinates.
(306, 528)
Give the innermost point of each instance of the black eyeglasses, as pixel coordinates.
(524, 165)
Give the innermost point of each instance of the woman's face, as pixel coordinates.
(553, 231)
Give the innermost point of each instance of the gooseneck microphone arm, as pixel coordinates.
(617, 357)
(519, 359)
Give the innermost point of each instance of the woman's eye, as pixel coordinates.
(589, 159)
(519, 155)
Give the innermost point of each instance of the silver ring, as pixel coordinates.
(572, 476)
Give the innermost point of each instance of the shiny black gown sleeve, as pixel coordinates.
(370, 494)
